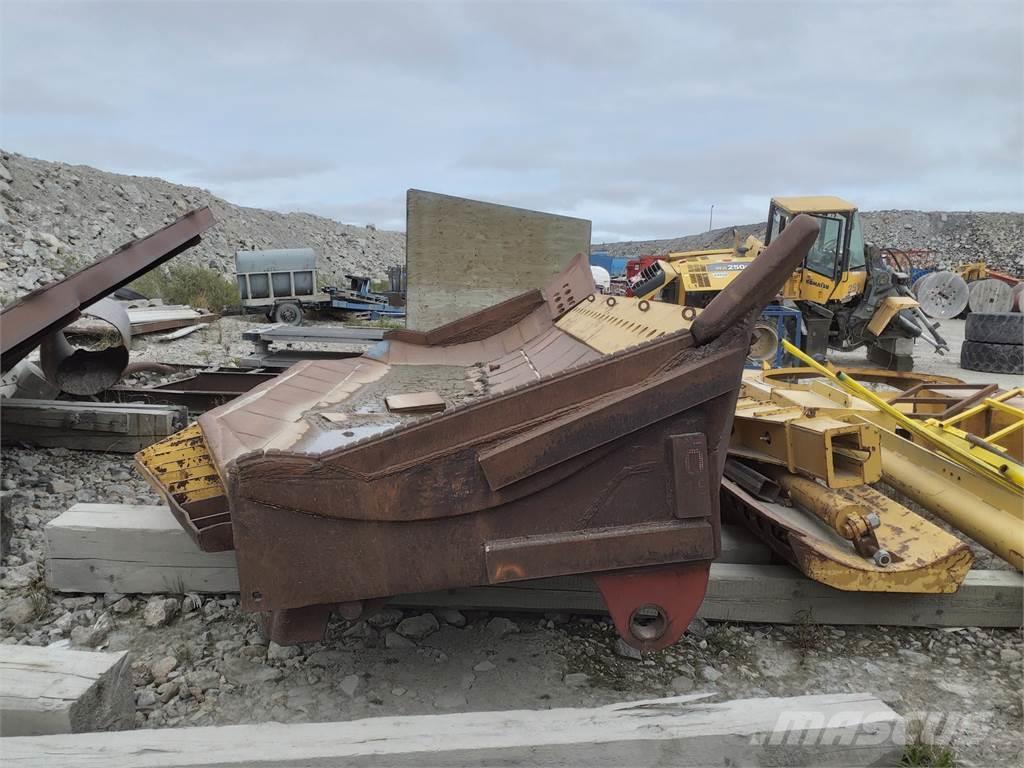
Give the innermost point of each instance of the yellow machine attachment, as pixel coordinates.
(693, 278)
(801, 441)
(847, 295)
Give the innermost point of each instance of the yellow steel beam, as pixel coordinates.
(820, 446)
(987, 511)
(182, 467)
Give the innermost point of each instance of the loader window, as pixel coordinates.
(777, 224)
(823, 257)
(856, 244)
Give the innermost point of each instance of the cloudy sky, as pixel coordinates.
(637, 116)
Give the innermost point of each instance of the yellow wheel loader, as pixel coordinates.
(848, 297)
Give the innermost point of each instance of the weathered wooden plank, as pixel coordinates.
(118, 427)
(840, 729)
(776, 594)
(47, 691)
(466, 255)
(142, 549)
(131, 549)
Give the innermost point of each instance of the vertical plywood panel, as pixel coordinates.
(466, 255)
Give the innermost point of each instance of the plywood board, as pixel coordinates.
(466, 255)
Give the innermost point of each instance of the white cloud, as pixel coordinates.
(638, 116)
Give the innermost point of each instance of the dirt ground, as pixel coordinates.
(200, 660)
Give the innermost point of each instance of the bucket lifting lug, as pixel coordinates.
(653, 606)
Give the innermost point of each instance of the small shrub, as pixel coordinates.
(919, 754)
(187, 284)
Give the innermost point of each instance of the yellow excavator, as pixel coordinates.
(847, 296)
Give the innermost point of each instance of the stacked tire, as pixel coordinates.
(994, 342)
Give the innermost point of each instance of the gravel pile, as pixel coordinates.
(954, 238)
(55, 218)
(200, 660)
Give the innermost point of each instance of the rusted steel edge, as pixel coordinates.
(46, 310)
(759, 283)
(474, 327)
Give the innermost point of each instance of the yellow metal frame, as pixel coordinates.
(1004, 471)
(988, 512)
(991, 453)
(820, 446)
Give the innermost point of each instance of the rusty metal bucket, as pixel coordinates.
(582, 434)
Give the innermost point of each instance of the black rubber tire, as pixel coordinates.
(995, 327)
(992, 358)
(288, 313)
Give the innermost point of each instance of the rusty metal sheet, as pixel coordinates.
(25, 323)
(585, 551)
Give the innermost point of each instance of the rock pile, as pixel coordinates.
(953, 238)
(56, 218)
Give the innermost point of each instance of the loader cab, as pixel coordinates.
(835, 268)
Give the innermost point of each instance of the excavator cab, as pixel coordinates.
(835, 268)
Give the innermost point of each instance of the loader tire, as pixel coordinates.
(995, 327)
(992, 358)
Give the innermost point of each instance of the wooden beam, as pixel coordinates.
(46, 691)
(852, 729)
(142, 550)
(771, 594)
(132, 549)
(118, 427)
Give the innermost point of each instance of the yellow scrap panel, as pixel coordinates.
(181, 467)
(611, 323)
(887, 310)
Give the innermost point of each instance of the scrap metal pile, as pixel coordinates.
(41, 317)
(582, 434)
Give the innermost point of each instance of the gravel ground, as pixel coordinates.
(200, 660)
(926, 360)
